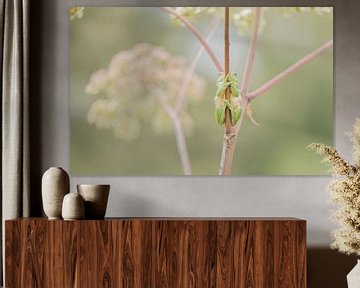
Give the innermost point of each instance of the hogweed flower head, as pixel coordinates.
(288, 11)
(133, 89)
(243, 17)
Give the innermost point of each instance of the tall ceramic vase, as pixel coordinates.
(353, 278)
(55, 185)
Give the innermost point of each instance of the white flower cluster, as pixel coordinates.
(319, 10)
(243, 17)
(193, 12)
(134, 87)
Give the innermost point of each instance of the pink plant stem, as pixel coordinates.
(197, 35)
(251, 53)
(190, 72)
(181, 143)
(227, 154)
(178, 129)
(281, 76)
(245, 102)
(229, 142)
(250, 59)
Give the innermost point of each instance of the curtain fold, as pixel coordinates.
(14, 111)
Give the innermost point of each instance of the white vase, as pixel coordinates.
(55, 185)
(353, 278)
(73, 207)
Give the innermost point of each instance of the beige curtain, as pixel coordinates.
(15, 172)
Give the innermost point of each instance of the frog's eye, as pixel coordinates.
(232, 78)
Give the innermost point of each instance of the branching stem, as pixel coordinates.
(178, 128)
(197, 35)
(229, 142)
(251, 53)
(227, 154)
(287, 72)
(228, 124)
(231, 132)
(181, 142)
(190, 72)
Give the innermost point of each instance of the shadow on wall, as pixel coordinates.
(328, 268)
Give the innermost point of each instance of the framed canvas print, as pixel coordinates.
(200, 90)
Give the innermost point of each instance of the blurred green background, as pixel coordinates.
(294, 113)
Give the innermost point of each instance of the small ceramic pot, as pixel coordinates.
(96, 198)
(55, 185)
(73, 207)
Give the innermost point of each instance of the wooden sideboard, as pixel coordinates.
(156, 252)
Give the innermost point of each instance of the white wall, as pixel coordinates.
(303, 197)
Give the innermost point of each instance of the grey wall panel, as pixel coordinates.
(304, 197)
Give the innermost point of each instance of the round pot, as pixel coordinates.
(73, 207)
(55, 185)
(96, 198)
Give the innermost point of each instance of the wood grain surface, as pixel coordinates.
(241, 253)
